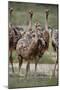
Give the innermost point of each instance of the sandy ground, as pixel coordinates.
(46, 69)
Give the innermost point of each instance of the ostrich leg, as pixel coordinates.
(55, 68)
(56, 63)
(20, 62)
(11, 60)
(27, 68)
(36, 62)
(36, 66)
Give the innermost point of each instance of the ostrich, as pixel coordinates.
(14, 36)
(55, 46)
(16, 33)
(31, 46)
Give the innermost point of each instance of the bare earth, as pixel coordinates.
(41, 68)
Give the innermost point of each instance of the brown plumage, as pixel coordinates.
(55, 39)
(14, 36)
(33, 44)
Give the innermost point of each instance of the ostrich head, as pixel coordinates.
(31, 13)
(11, 11)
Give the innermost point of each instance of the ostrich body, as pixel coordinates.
(33, 44)
(14, 36)
(28, 48)
(55, 40)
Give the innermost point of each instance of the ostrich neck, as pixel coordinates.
(30, 23)
(46, 25)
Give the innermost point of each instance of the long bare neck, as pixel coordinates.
(30, 20)
(30, 23)
(46, 24)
